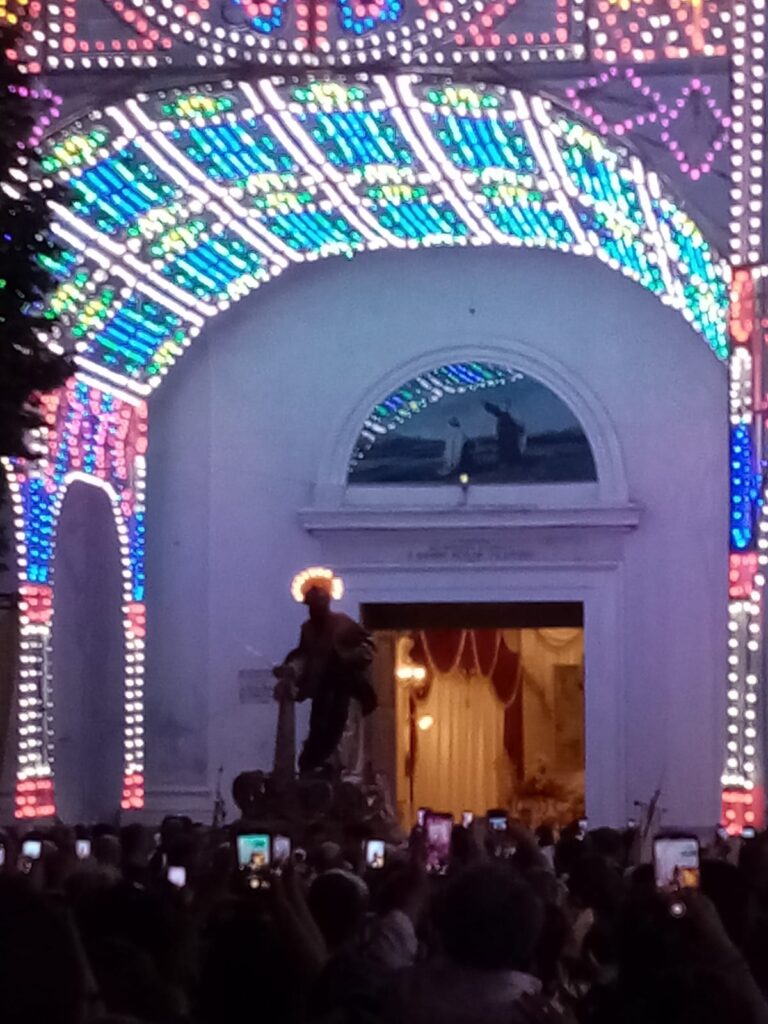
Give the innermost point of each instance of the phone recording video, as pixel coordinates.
(747, 832)
(676, 863)
(421, 815)
(32, 849)
(374, 853)
(281, 849)
(83, 849)
(177, 876)
(253, 851)
(467, 817)
(497, 821)
(438, 829)
(2, 856)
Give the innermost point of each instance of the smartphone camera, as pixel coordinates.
(676, 863)
(374, 854)
(177, 876)
(83, 849)
(281, 849)
(438, 829)
(254, 855)
(253, 851)
(467, 817)
(32, 849)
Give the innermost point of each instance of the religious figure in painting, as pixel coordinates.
(510, 436)
(331, 666)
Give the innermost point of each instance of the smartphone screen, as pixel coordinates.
(177, 876)
(497, 822)
(83, 848)
(438, 828)
(631, 822)
(374, 853)
(747, 832)
(421, 815)
(31, 848)
(281, 849)
(2, 856)
(467, 817)
(676, 863)
(583, 825)
(253, 851)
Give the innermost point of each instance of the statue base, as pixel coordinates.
(341, 806)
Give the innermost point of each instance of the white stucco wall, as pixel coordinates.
(245, 423)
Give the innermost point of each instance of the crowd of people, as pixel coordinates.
(124, 925)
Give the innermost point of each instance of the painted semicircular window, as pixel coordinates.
(493, 424)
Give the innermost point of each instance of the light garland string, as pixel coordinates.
(748, 130)
(743, 799)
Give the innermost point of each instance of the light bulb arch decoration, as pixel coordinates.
(99, 438)
(185, 201)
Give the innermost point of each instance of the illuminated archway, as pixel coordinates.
(187, 200)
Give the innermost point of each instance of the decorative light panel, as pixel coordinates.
(639, 107)
(185, 201)
(69, 34)
(742, 778)
(745, 487)
(649, 30)
(60, 35)
(97, 435)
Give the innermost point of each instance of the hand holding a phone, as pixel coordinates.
(703, 918)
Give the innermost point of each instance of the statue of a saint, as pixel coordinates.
(331, 667)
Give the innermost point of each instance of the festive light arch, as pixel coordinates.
(186, 200)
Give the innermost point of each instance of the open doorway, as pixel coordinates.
(481, 706)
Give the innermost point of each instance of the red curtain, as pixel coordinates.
(481, 651)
